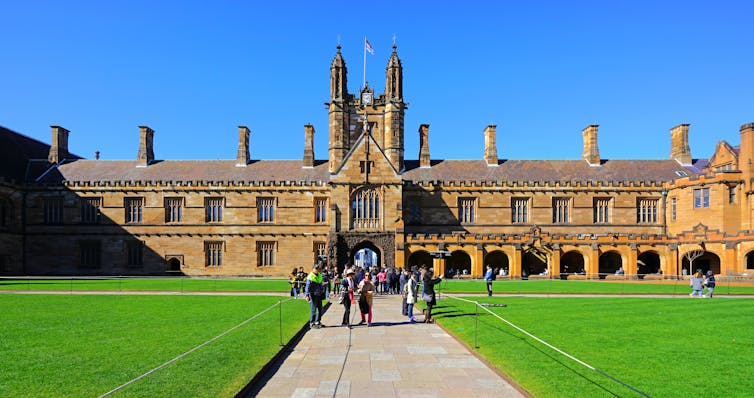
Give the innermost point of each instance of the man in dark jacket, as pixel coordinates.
(709, 281)
(315, 293)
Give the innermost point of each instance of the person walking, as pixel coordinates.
(710, 283)
(315, 293)
(348, 287)
(697, 284)
(428, 294)
(488, 277)
(411, 291)
(366, 291)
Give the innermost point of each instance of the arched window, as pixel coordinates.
(365, 209)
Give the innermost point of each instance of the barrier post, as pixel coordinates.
(280, 317)
(476, 325)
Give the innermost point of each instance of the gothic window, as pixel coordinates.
(319, 251)
(53, 210)
(213, 253)
(173, 210)
(561, 210)
(266, 210)
(673, 206)
(519, 210)
(414, 212)
(467, 210)
(365, 209)
(320, 210)
(601, 210)
(701, 198)
(213, 209)
(134, 209)
(731, 195)
(134, 253)
(90, 210)
(266, 253)
(646, 211)
(90, 254)
(366, 166)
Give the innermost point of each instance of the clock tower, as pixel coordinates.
(383, 113)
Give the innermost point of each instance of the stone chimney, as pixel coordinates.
(308, 146)
(490, 145)
(746, 153)
(59, 145)
(679, 144)
(591, 150)
(243, 156)
(424, 159)
(146, 151)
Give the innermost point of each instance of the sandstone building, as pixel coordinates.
(61, 214)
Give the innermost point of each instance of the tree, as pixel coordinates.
(691, 256)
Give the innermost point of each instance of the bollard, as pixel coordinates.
(280, 317)
(476, 324)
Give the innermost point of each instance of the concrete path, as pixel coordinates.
(392, 358)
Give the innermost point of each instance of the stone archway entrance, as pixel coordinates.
(498, 260)
(648, 263)
(343, 246)
(366, 255)
(610, 263)
(533, 262)
(459, 262)
(419, 258)
(571, 263)
(173, 265)
(706, 262)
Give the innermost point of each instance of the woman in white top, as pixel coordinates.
(411, 291)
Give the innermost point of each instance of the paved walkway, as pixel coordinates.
(392, 358)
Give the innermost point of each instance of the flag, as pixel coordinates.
(368, 46)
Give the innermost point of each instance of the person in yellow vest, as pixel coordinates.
(315, 293)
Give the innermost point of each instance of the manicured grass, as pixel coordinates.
(680, 287)
(664, 347)
(82, 345)
(150, 284)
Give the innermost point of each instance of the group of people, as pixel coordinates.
(359, 285)
(699, 282)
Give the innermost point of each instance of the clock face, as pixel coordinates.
(366, 97)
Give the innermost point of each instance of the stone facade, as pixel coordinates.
(62, 215)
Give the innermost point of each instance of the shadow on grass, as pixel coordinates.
(499, 327)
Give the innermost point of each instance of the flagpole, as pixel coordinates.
(365, 61)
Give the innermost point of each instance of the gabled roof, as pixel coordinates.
(357, 144)
(22, 158)
(549, 170)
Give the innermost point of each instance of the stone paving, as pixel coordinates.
(391, 358)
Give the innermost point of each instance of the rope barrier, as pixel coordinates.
(191, 350)
(567, 355)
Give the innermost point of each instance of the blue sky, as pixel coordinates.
(540, 70)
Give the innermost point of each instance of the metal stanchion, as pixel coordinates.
(476, 325)
(280, 316)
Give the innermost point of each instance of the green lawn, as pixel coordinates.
(664, 347)
(586, 287)
(150, 284)
(74, 345)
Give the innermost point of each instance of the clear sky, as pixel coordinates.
(541, 71)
